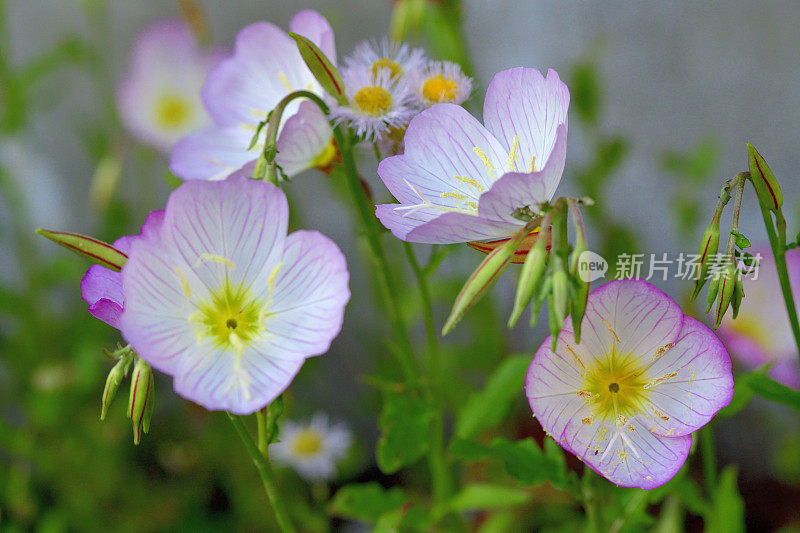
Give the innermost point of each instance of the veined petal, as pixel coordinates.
(523, 107)
(309, 296)
(314, 26)
(219, 231)
(212, 154)
(304, 137)
(517, 189)
(451, 228)
(101, 288)
(265, 67)
(701, 382)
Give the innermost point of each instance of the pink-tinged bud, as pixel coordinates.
(140, 401)
(708, 249)
(482, 279)
(727, 286)
(113, 381)
(95, 250)
(321, 67)
(767, 188)
(738, 294)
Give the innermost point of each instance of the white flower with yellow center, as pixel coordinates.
(159, 100)
(398, 58)
(218, 296)
(376, 103)
(312, 449)
(441, 82)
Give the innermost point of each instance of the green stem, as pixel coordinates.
(709, 458)
(590, 503)
(779, 252)
(261, 419)
(261, 461)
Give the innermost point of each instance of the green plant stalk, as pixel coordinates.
(737, 207)
(778, 246)
(261, 419)
(590, 503)
(261, 461)
(709, 459)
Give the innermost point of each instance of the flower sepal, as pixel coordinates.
(764, 181)
(93, 249)
(521, 254)
(118, 372)
(321, 67)
(141, 400)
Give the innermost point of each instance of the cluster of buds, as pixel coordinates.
(551, 270)
(726, 288)
(140, 398)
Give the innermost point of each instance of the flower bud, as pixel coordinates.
(581, 296)
(708, 249)
(738, 294)
(115, 377)
(767, 188)
(560, 303)
(95, 250)
(140, 401)
(482, 279)
(727, 285)
(531, 276)
(321, 67)
(713, 288)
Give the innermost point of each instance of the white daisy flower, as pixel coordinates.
(399, 58)
(312, 449)
(376, 103)
(439, 82)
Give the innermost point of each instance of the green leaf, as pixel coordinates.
(405, 518)
(487, 408)
(366, 502)
(770, 389)
(321, 67)
(727, 507)
(405, 422)
(481, 496)
(742, 242)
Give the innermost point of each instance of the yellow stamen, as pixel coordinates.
(512, 155)
(285, 81)
(393, 67)
(212, 258)
(373, 100)
(486, 161)
(438, 89)
(658, 381)
(184, 283)
(452, 194)
(470, 181)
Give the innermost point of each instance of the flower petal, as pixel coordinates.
(522, 104)
(101, 288)
(311, 291)
(265, 67)
(212, 154)
(517, 189)
(303, 138)
(702, 386)
(314, 26)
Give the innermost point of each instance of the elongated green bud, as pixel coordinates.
(532, 273)
(727, 286)
(113, 381)
(539, 297)
(713, 288)
(482, 279)
(767, 188)
(738, 294)
(141, 395)
(560, 304)
(708, 250)
(95, 250)
(321, 67)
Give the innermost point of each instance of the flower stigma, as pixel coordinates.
(373, 100)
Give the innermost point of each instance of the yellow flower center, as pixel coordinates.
(373, 100)
(439, 89)
(307, 443)
(395, 69)
(172, 111)
(616, 388)
(231, 318)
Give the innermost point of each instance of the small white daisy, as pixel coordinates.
(441, 81)
(312, 449)
(399, 58)
(376, 103)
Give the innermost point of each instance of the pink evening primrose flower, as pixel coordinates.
(159, 101)
(101, 287)
(627, 398)
(244, 88)
(220, 298)
(761, 334)
(461, 181)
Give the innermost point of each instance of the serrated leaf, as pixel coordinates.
(726, 514)
(404, 422)
(366, 502)
(487, 408)
(484, 496)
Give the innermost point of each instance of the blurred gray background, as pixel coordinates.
(673, 73)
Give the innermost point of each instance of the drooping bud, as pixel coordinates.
(141, 394)
(560, 304)
(95, 250)
(532, 271)
(727, 286)
(713, 288)
(708, 249)
(113, 381)
(483, 278)
(738, 294)
(321, 67)
(767, 188)
(581, 288)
